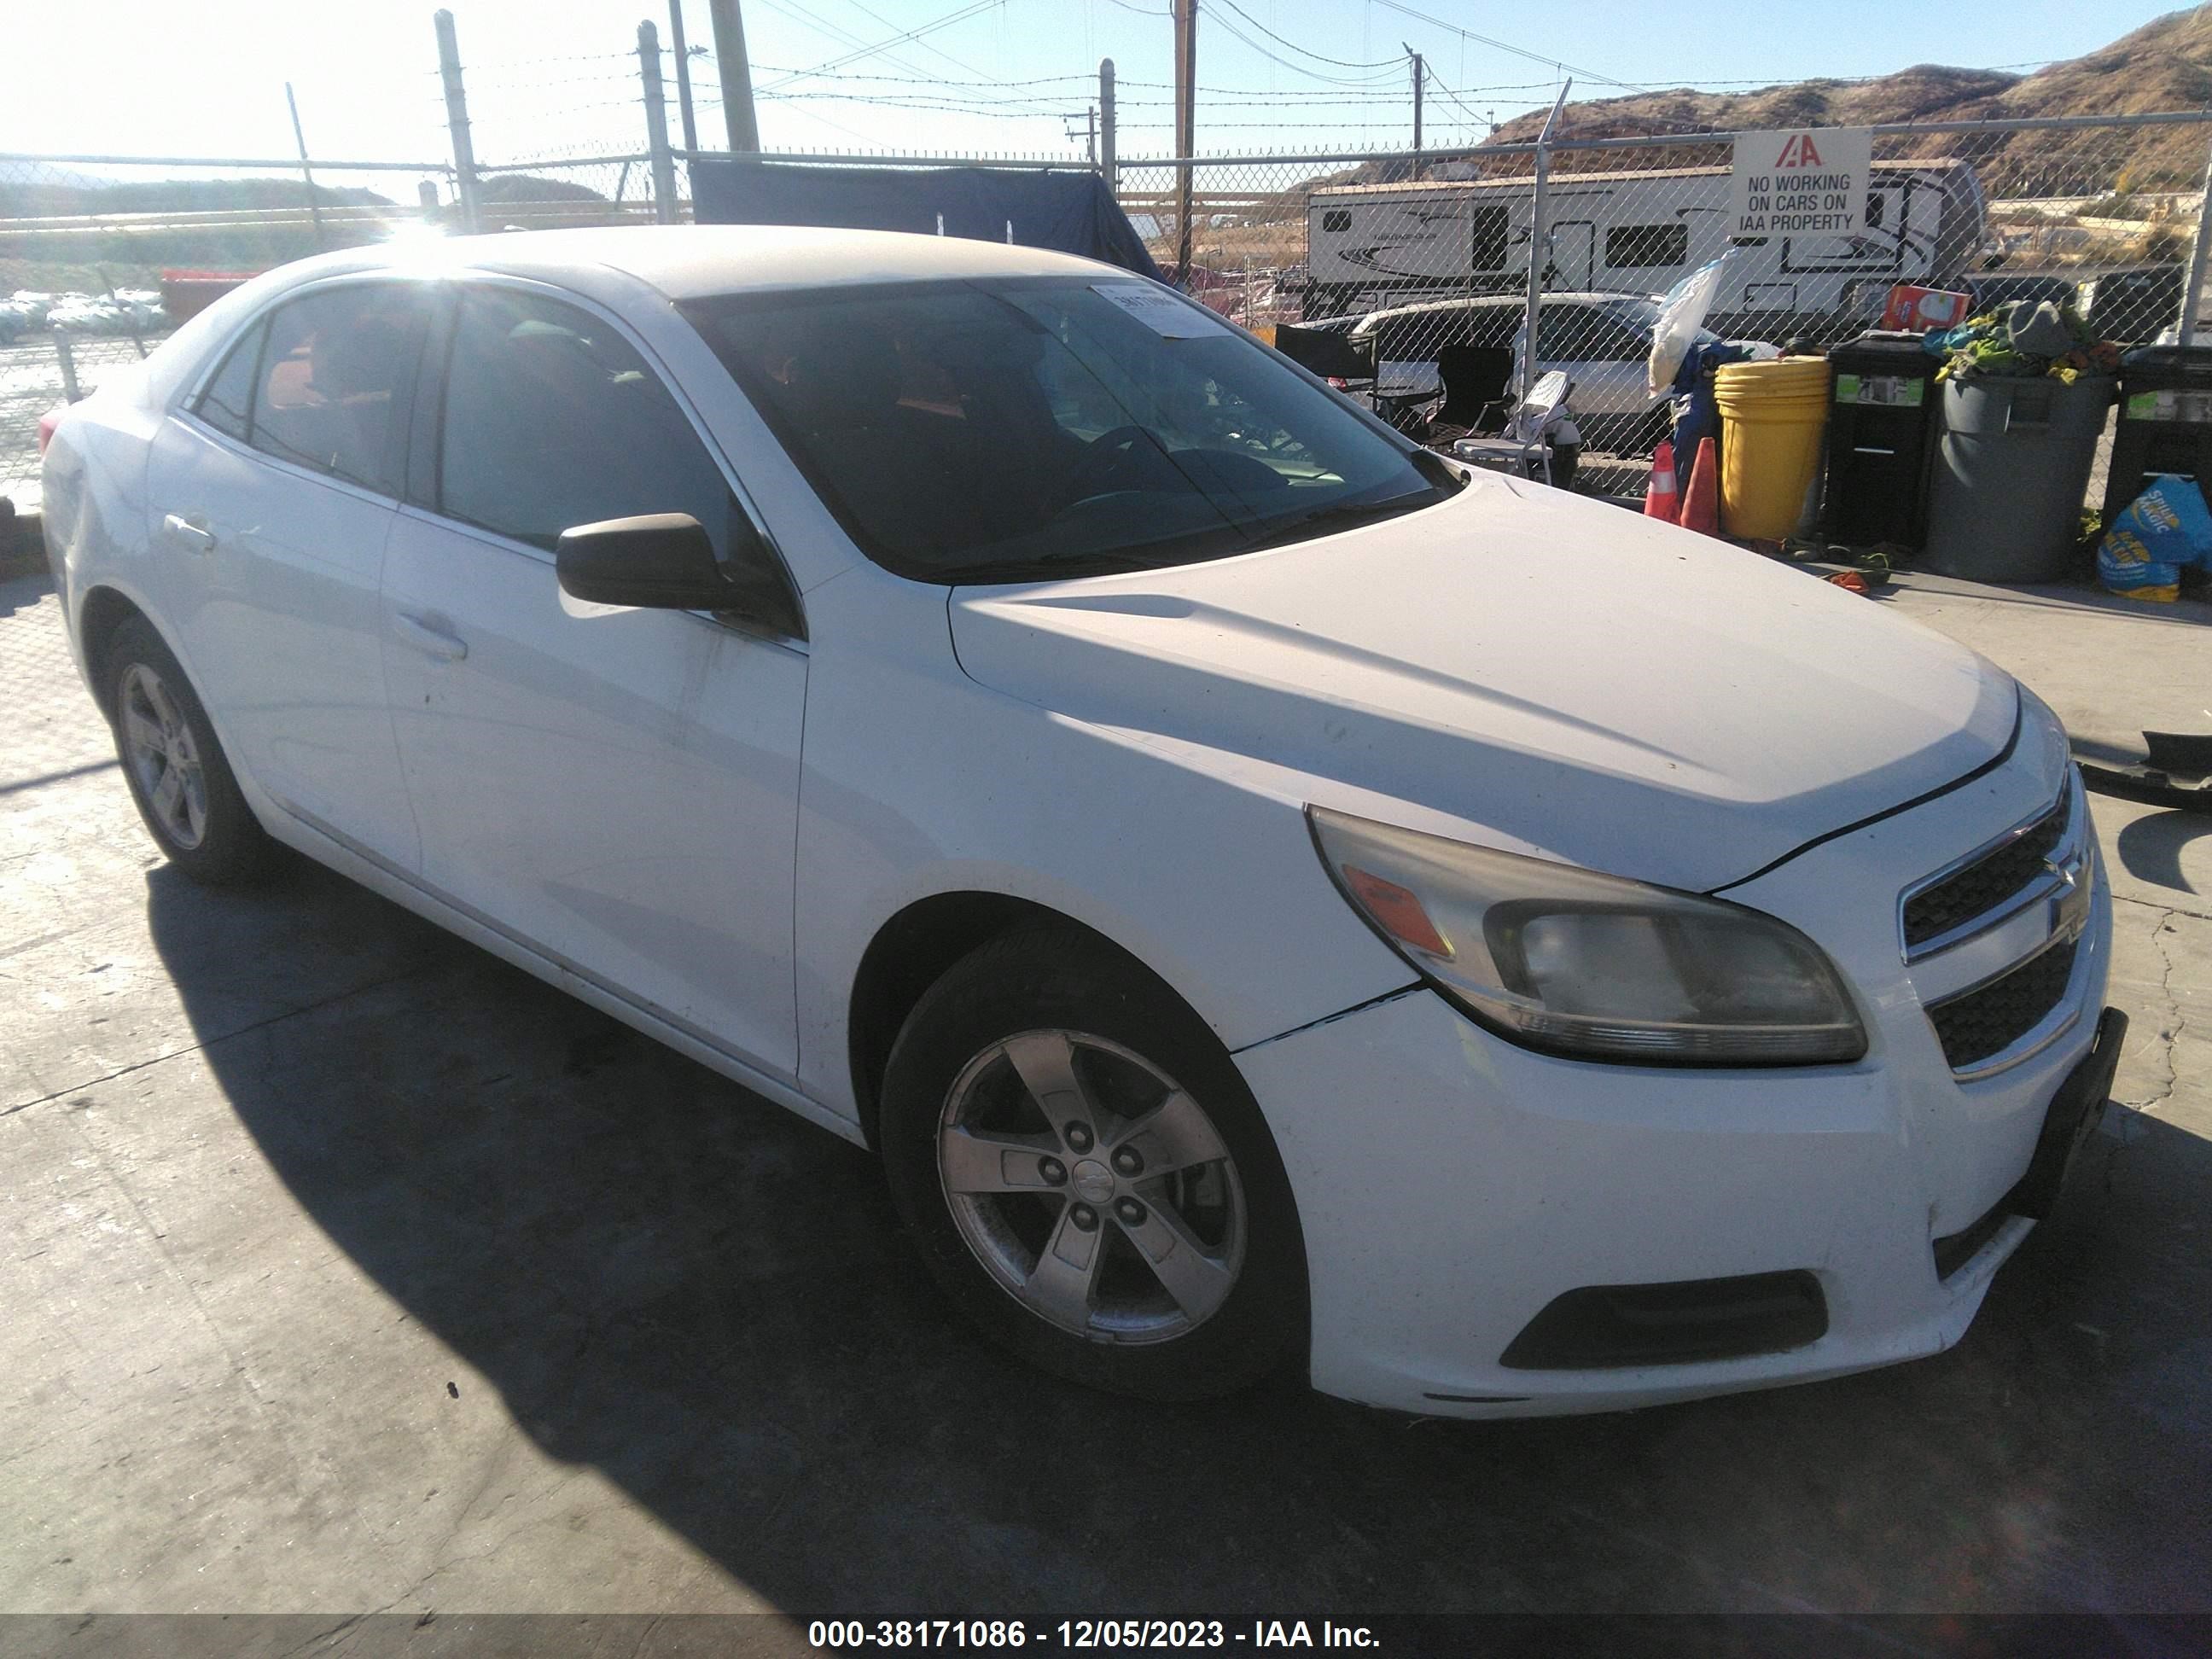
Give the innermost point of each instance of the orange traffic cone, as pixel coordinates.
(1661, 499)
(1701, 502)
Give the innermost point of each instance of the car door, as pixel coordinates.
(1604, 359)
(272, 494)
(617, 789)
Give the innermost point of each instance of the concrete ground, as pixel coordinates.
(349, 1269)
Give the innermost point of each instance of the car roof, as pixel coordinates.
(1502, 302)
(686, 262)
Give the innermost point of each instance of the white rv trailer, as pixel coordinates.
(1374, 245)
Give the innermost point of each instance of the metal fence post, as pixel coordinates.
(306, 172)
(1106, 124)
(682, 56)
(656, 125)
(2192, 290)
(1539, 256)
(67, 358)
(1186, 126)
(457, 122)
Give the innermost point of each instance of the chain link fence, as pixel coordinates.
(101, 256)
(1428, 256)
(1425, 256)
(562, 142)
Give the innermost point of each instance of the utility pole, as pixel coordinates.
(683, 73)
(1106, 122)
(656, 125)
(1418, 77)
(457, 120)
(1186, 126)
(306, 173)
(737, 77)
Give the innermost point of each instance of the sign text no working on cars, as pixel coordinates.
(1812, 181)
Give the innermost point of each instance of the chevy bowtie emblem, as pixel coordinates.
(2069, 905)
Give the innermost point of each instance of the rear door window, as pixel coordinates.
(228, 404)
(1562, 333)
(336, 379)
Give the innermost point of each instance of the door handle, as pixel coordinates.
(197, 537)
(430, 640)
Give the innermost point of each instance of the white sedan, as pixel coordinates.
(1601, 341)
(1272, 897)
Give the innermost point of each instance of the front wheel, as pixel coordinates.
(1087, 1175)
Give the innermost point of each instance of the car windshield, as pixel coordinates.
(1004, 430)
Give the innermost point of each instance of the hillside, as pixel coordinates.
(67, 194)
(2165, 65)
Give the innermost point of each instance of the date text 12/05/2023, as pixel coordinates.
(1001, 1635)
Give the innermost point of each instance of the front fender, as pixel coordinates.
(919, 782)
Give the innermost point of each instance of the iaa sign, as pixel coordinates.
(1810, 182)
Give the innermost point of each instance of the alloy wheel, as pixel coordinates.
(164, 758)
(1093, 1188)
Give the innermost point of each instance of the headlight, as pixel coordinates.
(1593, 966)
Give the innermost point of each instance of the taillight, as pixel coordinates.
(47, 422)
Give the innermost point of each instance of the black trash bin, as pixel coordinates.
(2166, 421)
(1881, 433)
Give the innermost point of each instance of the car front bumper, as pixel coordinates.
(1451, 1185)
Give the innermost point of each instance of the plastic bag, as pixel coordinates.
(2163, 529)
(1681, 314)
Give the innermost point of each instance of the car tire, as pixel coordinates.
(177, 772)
(1189, 1279)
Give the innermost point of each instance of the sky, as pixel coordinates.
(549, 78)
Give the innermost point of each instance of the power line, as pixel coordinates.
(925, 45)
(1383, 86)
(1459, 99)
(1306, 51)
(1507, 45)
(934, 80)
(950, 18)
(1234, 33)
(832, 32)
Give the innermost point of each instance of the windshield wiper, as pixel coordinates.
(1042, 567)
(1342, 516)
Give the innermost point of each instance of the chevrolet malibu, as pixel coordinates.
(1270, 898)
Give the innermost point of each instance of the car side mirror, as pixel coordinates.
(666, 561)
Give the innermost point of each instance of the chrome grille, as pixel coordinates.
(1991, 1017)
(1983, 886)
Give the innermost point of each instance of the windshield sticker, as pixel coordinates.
(1161, 309)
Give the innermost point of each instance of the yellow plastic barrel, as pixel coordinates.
(1772, 415)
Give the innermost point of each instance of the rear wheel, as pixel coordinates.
(176, 769)
(1088, 1176)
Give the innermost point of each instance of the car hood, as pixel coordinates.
(1568, 677)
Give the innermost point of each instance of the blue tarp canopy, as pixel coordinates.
(1069, 212)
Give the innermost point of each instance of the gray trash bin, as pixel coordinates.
(2011, 470)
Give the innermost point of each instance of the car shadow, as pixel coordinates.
(2151, 848)
(688, 1289)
